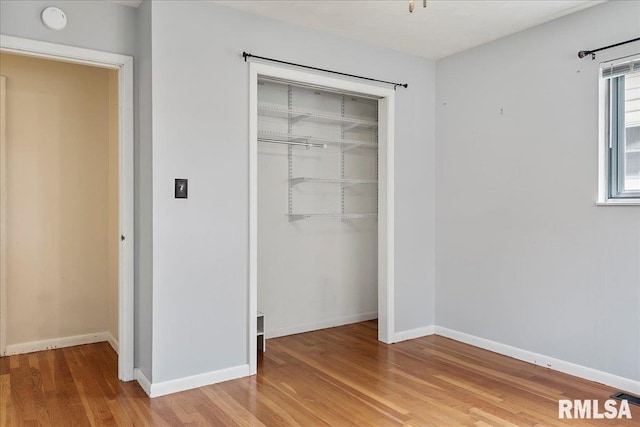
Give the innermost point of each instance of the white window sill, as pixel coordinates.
(619, 202)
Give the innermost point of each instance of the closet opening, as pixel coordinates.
(66, 193)
(321, 204)
(61, 203)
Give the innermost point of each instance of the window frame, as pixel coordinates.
(611, 157)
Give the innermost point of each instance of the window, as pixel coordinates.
(622, 129)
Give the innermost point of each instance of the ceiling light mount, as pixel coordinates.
(411, 4)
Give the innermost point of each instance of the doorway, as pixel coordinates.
(75, 190)
(385, 205)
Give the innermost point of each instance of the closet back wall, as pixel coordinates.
(59, 133)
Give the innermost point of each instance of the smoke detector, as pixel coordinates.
(54, 18)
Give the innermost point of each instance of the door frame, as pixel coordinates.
(386, 118)
(124, 65)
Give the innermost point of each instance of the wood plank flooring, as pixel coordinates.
(337, 377)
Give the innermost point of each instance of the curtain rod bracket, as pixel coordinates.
(246, 55)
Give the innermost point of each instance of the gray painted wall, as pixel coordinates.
(144, 187)
(524, 257)
(99, 25)
(200, 132)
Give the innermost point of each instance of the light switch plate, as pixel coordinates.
(181, 188)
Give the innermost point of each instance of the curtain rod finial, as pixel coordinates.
(584, 53)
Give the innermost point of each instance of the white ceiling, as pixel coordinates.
(445, 27)
(132, 3)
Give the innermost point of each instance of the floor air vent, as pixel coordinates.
(634, 400)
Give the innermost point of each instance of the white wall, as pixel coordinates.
(200, 132)
(524, 256)
(315, 273)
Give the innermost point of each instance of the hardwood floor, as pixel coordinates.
(337, 377)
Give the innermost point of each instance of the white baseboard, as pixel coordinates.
(142, 379)
(113, 342)
(187, 383)
(414, 333)
(30, 347)
(606, 378)
(308, 327)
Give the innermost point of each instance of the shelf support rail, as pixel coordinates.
(290, 146)
(395, 85)
(343, 130)
(300, 143)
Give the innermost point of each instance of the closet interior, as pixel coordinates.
(317, 207)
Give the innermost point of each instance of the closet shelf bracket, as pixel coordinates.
(345, 182)
(350, 146)
(346, 216)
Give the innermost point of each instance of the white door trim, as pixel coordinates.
(3, 218)
(386, 112)
(124, 65)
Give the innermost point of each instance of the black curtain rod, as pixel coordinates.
(246, 55)
(584, 53)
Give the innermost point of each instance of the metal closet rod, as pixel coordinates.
(584, 53)
(304, 144)
(246, 55)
